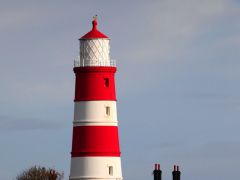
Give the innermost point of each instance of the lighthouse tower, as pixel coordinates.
(95, 143)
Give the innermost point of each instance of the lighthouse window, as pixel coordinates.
(108, 110)
(106, 82)
(110, 170)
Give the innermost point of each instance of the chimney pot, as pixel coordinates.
(174, 168)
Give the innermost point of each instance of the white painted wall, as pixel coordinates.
(95, 168)
(94, 113)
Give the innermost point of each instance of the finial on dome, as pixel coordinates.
(95, 17)
(94, 22)
(94, 33)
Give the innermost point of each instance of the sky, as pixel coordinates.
(177, 84)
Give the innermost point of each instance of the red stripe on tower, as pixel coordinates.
(95, 142)
(95, 83)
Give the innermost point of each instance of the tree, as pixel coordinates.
(40, 173)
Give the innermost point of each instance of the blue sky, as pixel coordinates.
(177, 84)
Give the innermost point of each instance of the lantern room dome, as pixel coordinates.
(94, 33)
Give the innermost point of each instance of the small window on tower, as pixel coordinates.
(108, 110)
(106, 82)
(110, 170)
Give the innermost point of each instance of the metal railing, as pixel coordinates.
(84, 63)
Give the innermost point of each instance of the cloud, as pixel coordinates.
(218, 152)
(10, 123)
(174, 38)
(220, 149)
(16, 15)
(169, 27)
(206, 95)
(217, 99)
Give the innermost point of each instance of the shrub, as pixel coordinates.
(40, 173)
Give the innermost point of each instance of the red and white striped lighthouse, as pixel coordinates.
(95, 143)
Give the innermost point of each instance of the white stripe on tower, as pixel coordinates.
(95, 143)
(92, 113)
(96, 168)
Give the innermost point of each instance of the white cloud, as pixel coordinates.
(175, 35)
(167, 29)
(10, 123)
(15, 15)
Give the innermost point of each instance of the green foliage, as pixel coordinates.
(40, 173)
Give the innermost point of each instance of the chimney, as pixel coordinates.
(157, 173)
(176, 173)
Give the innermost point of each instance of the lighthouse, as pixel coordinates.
(95, 143)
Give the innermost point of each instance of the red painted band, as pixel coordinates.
(95, 69)
(95, 141)
(105, 154)
(94, 83)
